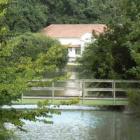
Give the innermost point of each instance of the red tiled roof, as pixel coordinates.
(72, 30)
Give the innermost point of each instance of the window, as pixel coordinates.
(70, 49)
(78, 50)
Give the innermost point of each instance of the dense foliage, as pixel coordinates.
(33, 15)
(134, 101)
(23, 58)
(115, 54)
(26, 15)
(31, 44)
(81, 11)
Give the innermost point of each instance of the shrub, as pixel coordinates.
(70, 102)
(134, 101)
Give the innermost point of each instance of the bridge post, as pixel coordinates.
(114, 91)
(52, 92)
(83, 91)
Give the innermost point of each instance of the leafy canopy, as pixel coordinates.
(115, 54)
(33, 15)
(22, 58)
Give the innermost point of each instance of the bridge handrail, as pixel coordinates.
(88, 80)
(113, 89)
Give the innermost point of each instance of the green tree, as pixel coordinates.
(110, 55)
(18, 66)
(31, 44)
(44, 51)
(115, 53)
(57, 55)
(23, 16)
(33, 15)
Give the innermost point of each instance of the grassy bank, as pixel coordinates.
(95, 102)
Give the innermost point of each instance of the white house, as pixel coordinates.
(74, 36)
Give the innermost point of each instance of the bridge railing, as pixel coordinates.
(88, 85)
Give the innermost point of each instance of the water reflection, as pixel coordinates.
(85, 125)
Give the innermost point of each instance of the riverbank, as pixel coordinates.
(68, 107)
(95, 102)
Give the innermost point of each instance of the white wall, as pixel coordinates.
(82, 42)
(71, 51)
(85, 40)
(70, 41)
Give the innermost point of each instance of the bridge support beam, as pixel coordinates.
(83, 91)
(114, 91)
(53, 90)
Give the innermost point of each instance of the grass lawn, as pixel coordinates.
(95, 102)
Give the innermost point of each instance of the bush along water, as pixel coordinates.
(70, 102)
(134, 101)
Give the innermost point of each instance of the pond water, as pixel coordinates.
(84, 125)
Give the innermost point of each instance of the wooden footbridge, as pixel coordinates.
(90, 92)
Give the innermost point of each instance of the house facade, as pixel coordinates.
(74, 36)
